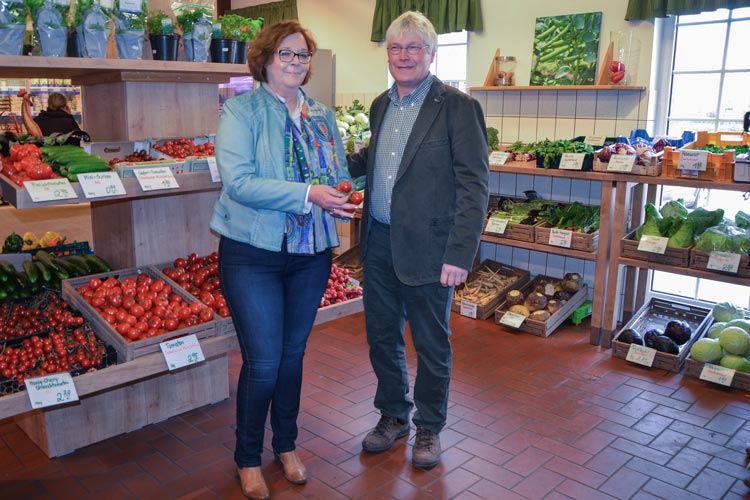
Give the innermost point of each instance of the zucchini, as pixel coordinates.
(46, 258)
(7, 267)
(66, 266)
(84, 168)
(31, 271)
(3, 294)
(97, 264)
(80, 263)
(44, 272)
(22, 280)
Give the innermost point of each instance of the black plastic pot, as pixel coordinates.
(240, 55)
(223, 50)
(164, 47)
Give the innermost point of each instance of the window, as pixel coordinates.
(450, 60)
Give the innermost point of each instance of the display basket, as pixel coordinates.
(653, 169)
(515, 278)
(679, 257)
(350, 260)
(720, 167)
(699, 260)
(655, 315)
(117, 149)
(693, 368)
(584, 242)
(513, 231)
(588, 162)
(126, 169)
(203, 139)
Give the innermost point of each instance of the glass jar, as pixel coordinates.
(505, 71)
(625, 53)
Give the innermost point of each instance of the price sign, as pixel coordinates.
(468, 309)
(152, 179)
(621, 163)
(213, 169)
(50, 190)
(641, 355)
(181, 352)
(513, 320)
(724, 261)
(692, 159)
(560, 237)
(499, 157)
(101, 184)
(51, 390)
(134, 6)
(653, 244)
(495, 225)
(107, 4)
(572, 161)
(595, 140)
(717, 374)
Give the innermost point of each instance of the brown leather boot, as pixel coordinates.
(253, 484)
(294, 469)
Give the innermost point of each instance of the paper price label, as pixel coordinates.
(213, 169)
(496, 225)
(560, 237)
(717, 374)
(499, 157)
(572, 161)
(134, 6)
(594, 140)
(181, 352)
(50, 190)
(513, 320)
(621, 163)
(51, 390)
(653, 244)
(641, 355)
(152, 179)
(691, 159)
(101, 184)
(468, 309)
(724, 261)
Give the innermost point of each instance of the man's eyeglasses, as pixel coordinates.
(410, 49)
(286, 55)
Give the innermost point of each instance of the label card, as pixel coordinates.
(653, 244)
(50, 390)
(513, 320)
(50, 190)
(213, 169)
(468, 309)
(152, 179)
(495, 225)
(641, 355)
(621, 163)
(499, 157)
(692, 159)
(560, 237)
(572, 161)
(134, 6)
(107, 4)
(594, 140)
(724, 261)
(717, 374)
(101, 184)
(181, 352)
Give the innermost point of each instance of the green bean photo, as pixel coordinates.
(566, 49)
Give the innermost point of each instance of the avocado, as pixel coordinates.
(679, 331)
(630, 336)
(665, 344)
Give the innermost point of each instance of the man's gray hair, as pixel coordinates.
(416, 23)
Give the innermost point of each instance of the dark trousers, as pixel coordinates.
(389, 303)
(273, 298)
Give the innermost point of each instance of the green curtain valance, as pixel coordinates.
(271, 13)
(446, 15)
(649, 9)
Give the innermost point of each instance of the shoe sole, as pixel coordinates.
(425, 465)
(378, 449)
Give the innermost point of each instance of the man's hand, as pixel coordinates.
(452, 275)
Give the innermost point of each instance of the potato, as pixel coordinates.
(519, 309)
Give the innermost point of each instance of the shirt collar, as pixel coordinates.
(415, 97)
(300, 98)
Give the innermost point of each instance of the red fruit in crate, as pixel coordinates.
(615, 66)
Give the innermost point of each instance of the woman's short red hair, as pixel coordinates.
(263, 48)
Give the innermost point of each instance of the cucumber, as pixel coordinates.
(7, 267)
(97, 264)
(46, 258)
(22, 280)
(3, 295)
(66, 266)
(31, 271)
(44, 272)
(84, 168)
(80, 263)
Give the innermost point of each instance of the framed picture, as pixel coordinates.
(566, 49)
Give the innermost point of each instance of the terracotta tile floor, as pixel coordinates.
(529, 417)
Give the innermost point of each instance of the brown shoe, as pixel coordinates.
(253, 484)
(294, 469)
(425, 453)
(382, 437)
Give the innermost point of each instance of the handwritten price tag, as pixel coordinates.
(513, 320)
(717, 374)
(495, 225)
(101, 184)
(621, 163)
(571, 161)
(51, 390)
(691, 159)
(653, 244)
(724, 261)
(499, 157)
(594, 140)
(50, 190)
(130, 6)
(213, 169)
(641, 355)
(560, 237)
(152, 179)
(468, 309)
(181, 352)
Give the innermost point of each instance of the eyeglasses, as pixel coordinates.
(410, 49)
(286, 55)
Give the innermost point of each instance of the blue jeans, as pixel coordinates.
(273, 298)
(388, 304)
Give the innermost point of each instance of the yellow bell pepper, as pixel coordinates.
(51, 239)
(30, 241)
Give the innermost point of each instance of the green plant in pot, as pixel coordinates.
(12, 27)
(195, 24)
(163, 39)
(249, 28)
(224, 40)
(130, 25)
(93, 25)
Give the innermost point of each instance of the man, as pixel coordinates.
(427, 191)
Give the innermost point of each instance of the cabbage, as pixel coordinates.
(725, 312)
(651, 226)
(721, 238)
(703, 219)
(706, 350)
(605, 154)
(362, 120)
(660, 145)
(682, 237)
(742, 220)
(348, 119)
(674, 208)
(735, 362)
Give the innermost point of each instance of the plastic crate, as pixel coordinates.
(720, 167)
(75, 248)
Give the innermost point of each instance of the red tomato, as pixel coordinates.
(616, 66)
(617, 76)
(356, 198)
(344, 186)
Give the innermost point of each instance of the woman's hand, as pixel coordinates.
(332, 200)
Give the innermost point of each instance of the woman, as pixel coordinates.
(57, 117)
(279, 155)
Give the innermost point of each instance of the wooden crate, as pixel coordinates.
(487, 308)
(580, 241)
(740, 380)
(350, 260)
(672, 256)
(656, 314)
(699, 260)
(544, 328)
(653, 169)
(720, 166)
(513, 231)
(128, 351)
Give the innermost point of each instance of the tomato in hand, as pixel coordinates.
(344, 186)
(356, 197)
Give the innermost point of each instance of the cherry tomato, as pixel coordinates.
(616, 66)
(344, 186)
(356, 198)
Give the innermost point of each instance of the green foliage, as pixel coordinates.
(239, 28)
(186, 19)
(155, 24)
(131, 21)
(548, 150)
(742, 220)
(703, 219)
(16, 11)
(674, 208)
(681, 234)
(574, 217)
(493, 139)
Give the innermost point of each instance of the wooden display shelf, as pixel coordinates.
(567, 252)
(530, 168)
(685, 271)
(561, 87)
